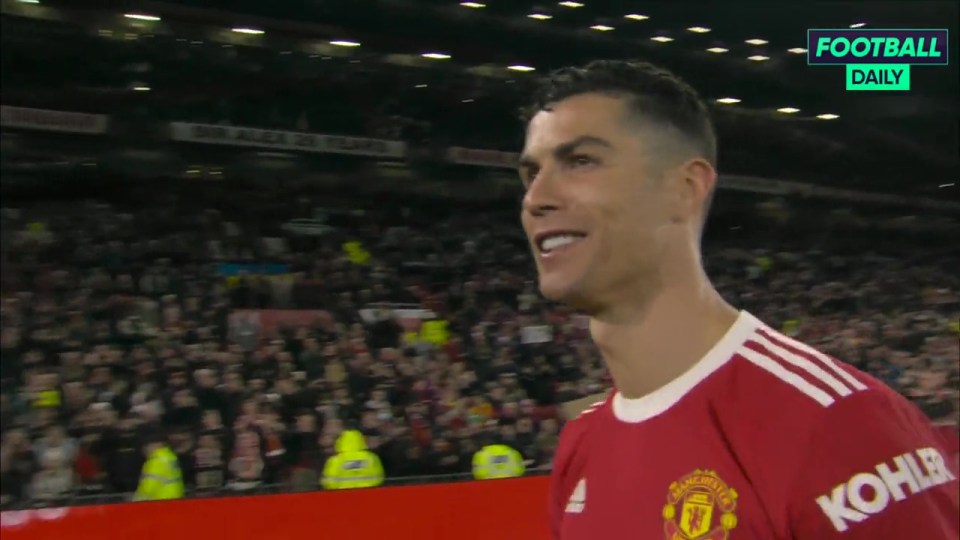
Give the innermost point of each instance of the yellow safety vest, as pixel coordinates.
(497, 461)
(161, 478)
(353, 466)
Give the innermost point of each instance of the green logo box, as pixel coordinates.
(878, 77)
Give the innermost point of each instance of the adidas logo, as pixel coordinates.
(578, 498)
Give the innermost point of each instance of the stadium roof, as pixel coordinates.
(747, 58)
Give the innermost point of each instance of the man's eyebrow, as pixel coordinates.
(565, 149)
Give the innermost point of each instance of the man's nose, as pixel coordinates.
(542, 196)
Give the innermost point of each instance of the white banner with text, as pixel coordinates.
(50, 120)
(286, 140)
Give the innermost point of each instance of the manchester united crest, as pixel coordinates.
(700, 506)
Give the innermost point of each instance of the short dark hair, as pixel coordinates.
(655, 95)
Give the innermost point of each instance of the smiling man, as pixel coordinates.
(718, 427)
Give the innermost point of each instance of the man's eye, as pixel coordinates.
(580, 161)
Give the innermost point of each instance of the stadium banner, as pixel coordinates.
(530, 335)
(754, 184)
(482, 158)
(580, 321)
(249, 325)
(286, 140)
(50, 120)
(307, 227)
(511, 509)
(408, 316)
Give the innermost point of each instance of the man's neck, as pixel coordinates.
(662, 339)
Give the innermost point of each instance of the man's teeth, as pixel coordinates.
(557, 241)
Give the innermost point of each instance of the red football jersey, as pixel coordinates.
(764, 439)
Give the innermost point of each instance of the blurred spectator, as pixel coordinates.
(17, 466)
(55, 447)
(208, 464)
(246, 467)
(55, 479)
(90, 474)
(304, 455)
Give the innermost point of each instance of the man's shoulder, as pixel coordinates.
(799, 393)
(581, 413)
(775, 369)
(571, 457)
(574, 430)
(795, 416)
(572, 409)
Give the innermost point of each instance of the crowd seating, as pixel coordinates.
(253, 345)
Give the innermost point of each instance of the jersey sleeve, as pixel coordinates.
(558, 480)
(875, 468)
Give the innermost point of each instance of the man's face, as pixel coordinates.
(177, 379)
(592, 211)
(208, 442)
(306, 423)
(234, 382)
(211, 419)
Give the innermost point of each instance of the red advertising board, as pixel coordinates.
(493, 509)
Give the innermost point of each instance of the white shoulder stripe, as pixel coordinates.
(774, 368)
(592, 407)
(827, 361)
(803, 363)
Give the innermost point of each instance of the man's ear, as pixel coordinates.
(699, 178)
(686, 187)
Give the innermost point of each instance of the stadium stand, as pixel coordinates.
(121, 313)
(254, 297)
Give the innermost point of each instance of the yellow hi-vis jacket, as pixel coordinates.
(497, 461)
(353, 466)
(161, 478)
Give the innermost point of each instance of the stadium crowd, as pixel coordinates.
(119, 316)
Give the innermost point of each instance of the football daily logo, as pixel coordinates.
(700, 506)
(876, 58)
